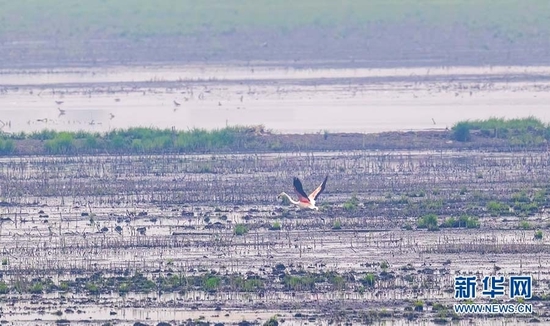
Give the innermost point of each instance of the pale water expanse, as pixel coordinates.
(286, 100)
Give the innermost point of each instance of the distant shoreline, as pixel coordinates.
(380, 33)
(310, 48)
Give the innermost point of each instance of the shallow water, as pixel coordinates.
(283, 99)
(70, 241)
(174, 314)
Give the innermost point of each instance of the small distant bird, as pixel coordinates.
(176, 103)
(92, 122)
(42, 120)
(58, 102)
(111, 115)
(305, 201)
(433, 121)
(241, 98)
(61, 111)
(219, 103)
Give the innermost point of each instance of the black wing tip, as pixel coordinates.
(324, 182)
(322, 187)
(298, 186)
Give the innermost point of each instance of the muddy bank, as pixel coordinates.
(262, 141)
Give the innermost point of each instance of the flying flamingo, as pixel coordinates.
(305, 201)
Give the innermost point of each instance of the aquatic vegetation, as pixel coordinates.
(463, 221)
(352, 204)
(132, 140)
(369, 279)
(528, 131)
(275, 226)
(180, 244)
(429, 222)
(241, 229)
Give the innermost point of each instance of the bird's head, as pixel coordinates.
(279, 196)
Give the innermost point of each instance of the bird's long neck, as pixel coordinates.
(290, 199)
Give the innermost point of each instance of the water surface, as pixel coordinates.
(283, 99)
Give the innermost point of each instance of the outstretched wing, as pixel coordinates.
(300, 190)
(319, 190)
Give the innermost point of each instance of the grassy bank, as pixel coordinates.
(74, 19)
(523, 131)
(496, 134)
(132, 140)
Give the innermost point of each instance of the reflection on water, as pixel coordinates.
(146, 308)
(127, 316)
(279, 98)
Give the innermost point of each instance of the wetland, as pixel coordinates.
(142, 151)
(201, 238)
